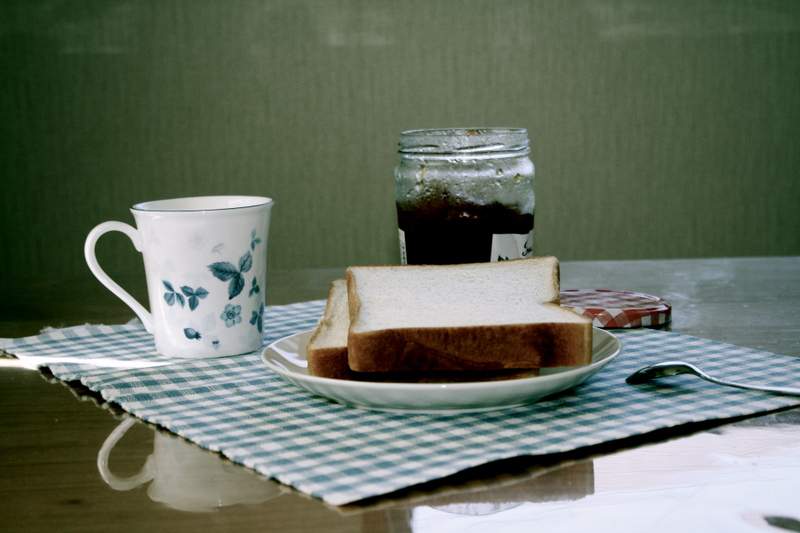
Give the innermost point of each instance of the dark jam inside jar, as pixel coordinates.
(445, 231)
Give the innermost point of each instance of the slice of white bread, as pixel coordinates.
(327, 348)
(485, 316)
(326, 352)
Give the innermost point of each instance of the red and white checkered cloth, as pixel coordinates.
(617, 309)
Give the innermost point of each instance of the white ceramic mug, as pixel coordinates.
(186, 477)
(205, 260)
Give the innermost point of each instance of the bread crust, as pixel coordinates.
(353, 302)
(471, 348)
(497, 264)
(557, 282)
(329, 363)
(332, 363)
(325, 320)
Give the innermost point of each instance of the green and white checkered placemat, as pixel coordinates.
(340, 454)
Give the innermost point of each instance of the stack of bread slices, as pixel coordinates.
(470, 322)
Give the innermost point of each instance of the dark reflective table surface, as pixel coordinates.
(68, 462)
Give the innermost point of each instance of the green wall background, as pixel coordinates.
(660, 129)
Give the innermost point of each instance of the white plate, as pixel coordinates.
(287, 357)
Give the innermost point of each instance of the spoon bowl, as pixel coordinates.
(660, 370)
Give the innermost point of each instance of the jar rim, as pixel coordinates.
(464, 141)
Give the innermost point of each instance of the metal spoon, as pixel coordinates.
(673, 368)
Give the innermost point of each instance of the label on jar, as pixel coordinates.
(403, 256)
(507, 246)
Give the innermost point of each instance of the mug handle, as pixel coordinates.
(121, 483)
(100, 274)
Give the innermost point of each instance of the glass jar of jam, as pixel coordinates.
(464, 195)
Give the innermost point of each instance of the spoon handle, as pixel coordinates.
(762, 388)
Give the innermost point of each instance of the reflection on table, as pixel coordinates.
(186, 477)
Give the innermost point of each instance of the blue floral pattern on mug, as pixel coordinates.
(192, 334)
(232, 315)
(193, 295)
(225, 271)
(254, 288)
(257, 318)
(171, 295)
(254, 240)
